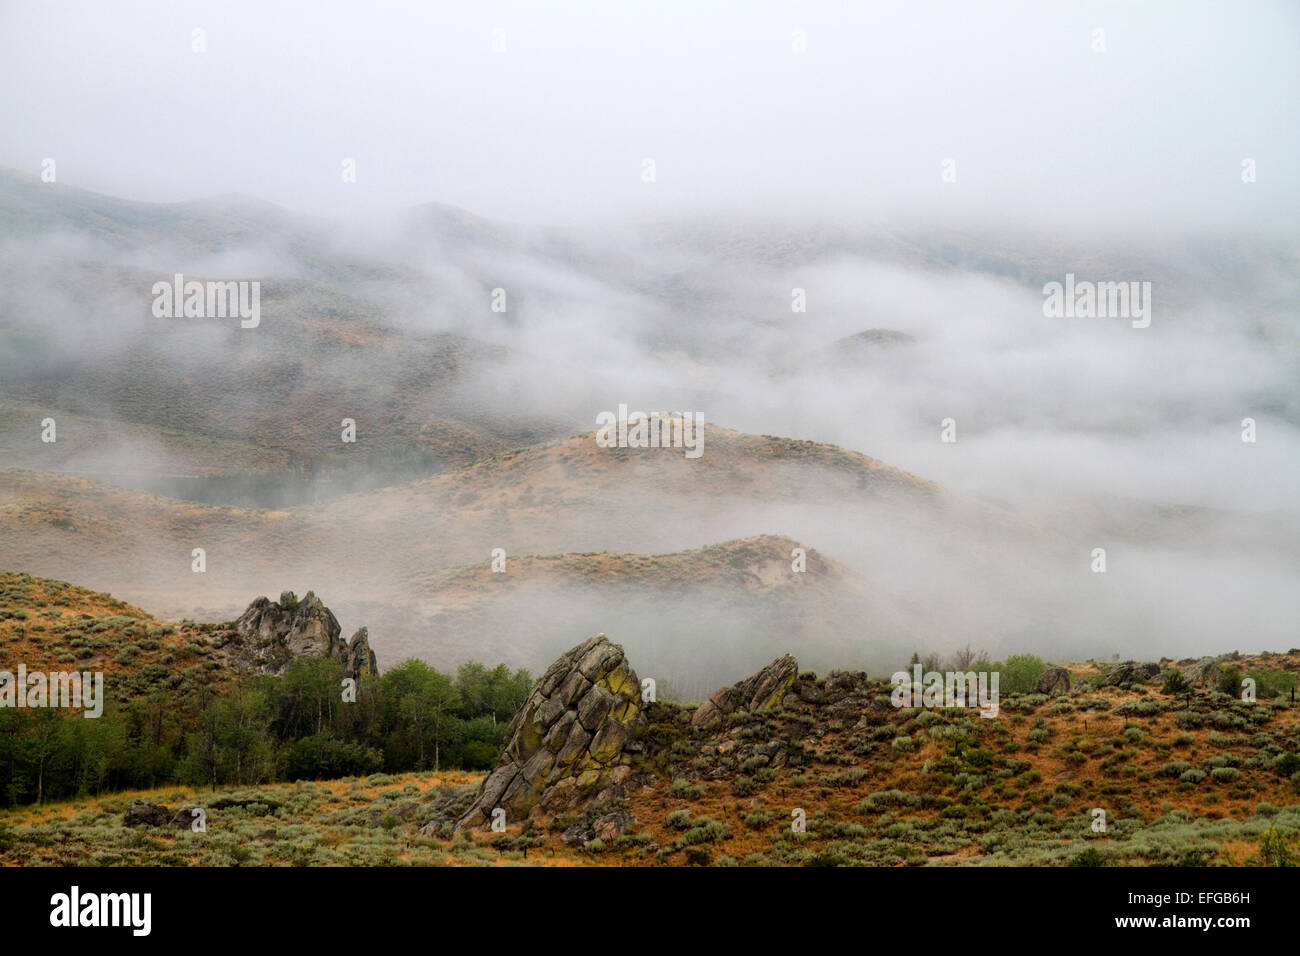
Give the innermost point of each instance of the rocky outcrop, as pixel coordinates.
(359, 658)
(1130, 672)
(1055, 680)
(269, 636)
(606, 828)
(1203, 671)
(762, 690)
(571, 741)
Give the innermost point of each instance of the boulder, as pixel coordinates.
(1131, 672)
(606, 828)
(808, 692)
(1203, 671)
(765, 689)
(1055, 680)
(613, 825)
(183, 818)
(568, 742)
(142, 813)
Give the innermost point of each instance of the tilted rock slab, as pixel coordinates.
(762, 690)
(1054, 680)
(572, 738)
(1131, 672)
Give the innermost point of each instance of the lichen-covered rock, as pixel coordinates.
(569, 740)
(1130, 672)
(269, 637)
(1055, 680)
(1203, 671)
(360, 658)
(765, 689)
(607, 828)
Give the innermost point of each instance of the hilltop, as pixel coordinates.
(52, 626)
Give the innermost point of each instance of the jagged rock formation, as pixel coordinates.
(572, 739)
(360, 659)
(1130, 672)
(268, 637)
(585, 740)
(764, 689)
(1055, 680)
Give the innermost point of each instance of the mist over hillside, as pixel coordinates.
(473, 426)
(822, 433)
(457, 241)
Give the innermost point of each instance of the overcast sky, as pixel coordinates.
(555, 129)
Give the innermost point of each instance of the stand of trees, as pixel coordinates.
(263, 729)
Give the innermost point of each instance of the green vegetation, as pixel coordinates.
(263, 729)
(1175, 683)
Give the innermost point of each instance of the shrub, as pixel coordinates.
(884, 799)
(1020, 674)
(1089, 857)
(685, 790)
(1270, 682)
(1230, 681)
(705, 830)
(1273, 850)
(1286, 765)
(698, 856)
(846, 778)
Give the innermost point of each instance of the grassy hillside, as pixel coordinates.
(1215, 784)
(53, 626)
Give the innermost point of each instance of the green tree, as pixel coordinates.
(1230, 680)
(242, 717)
(1175, 683)
(423, 701)
(1020, 674)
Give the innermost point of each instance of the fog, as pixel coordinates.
(797, 269)
(1147, 131)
